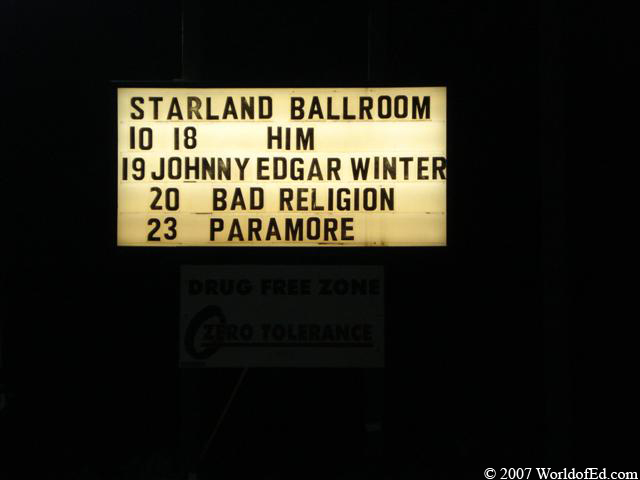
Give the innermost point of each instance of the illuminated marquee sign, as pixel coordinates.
(282, 167)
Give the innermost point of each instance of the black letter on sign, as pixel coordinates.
(421, 110)
(216, 226)
(297, 104)
(140, 114)
(439, 165)
(265, 112)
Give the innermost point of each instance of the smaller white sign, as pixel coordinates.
(282, 316)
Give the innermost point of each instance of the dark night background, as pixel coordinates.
(511, 347)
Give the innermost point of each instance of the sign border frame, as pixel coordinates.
(199, 250)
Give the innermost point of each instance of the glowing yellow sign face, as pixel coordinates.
(282, 167)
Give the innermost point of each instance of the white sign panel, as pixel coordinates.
(282, 167)
(282, 316)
